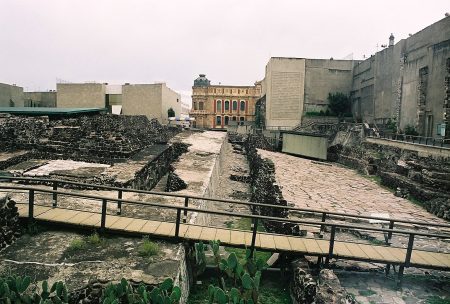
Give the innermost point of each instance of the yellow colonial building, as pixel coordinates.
(215, 106)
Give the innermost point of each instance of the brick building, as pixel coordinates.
(215, 106)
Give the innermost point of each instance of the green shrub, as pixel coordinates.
(94, 239)
(148, 248)
(77, 244)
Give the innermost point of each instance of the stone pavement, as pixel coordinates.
(308, 184)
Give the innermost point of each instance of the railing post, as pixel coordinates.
(389, 237)
(407, 260)
(330, 250)
(177, 224)
(426, 141)
(31, 204)
(255, 229)
(119, 203)
(409, 250)
(442, 142)
(322, 227)
(55, 195)
(103, 220)
(186, 204)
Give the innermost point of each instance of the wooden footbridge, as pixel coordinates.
(180, 230)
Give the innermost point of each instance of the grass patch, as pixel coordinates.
(438, 300)
(245, 224)
(94, 239)
(77, 244)
(148, 248)
(90, 241)
(366, 292)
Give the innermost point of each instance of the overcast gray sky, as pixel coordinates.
(231, 41)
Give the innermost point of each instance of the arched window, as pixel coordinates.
(227, 119)
(200, 105)
(242, 105)
(227, 105)
(218, 120)
(219, 106)
(234, 118)
(241, 118)
(234, 105)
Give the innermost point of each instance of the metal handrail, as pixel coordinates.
(324, 213)
(414, 139)
(252, 216)
(255, 219)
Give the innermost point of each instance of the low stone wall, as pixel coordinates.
(324, 288)
(9, 221)
(266, 191)
(99, 136)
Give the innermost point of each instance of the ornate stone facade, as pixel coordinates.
(216, 106)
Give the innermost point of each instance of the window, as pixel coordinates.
(227, 105)
(234, 118)
(200, 105)
(219, 106)
(195, 106)
(246, 91)
(234, 105)
(239, 91)
(241, 118)
(226, 120)
(242, 105)
(218, 120)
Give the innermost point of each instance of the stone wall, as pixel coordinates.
(101, 136)
(425, 179)
(9, 221)
(266, 191)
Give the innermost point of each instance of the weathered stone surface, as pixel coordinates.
(9, 221)
(100, 136)
(303, 286)
(330, 290)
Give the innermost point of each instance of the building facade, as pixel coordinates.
(11, 95)
(215, 106)
(293, 87)
(40, 99)
(407, 83)
(151, 100)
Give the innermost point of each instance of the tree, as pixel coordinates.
(170, 112)
(339, 103)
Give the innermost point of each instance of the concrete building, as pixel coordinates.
(81, 95)
(151, 100)
(407, 83)
(215, 106)
(11, 95)
(294, 86)
(40, 99)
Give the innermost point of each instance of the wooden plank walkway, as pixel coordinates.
(264, 241)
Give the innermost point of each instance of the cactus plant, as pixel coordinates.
(245, 276)
(123, 292)
(15, 289)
